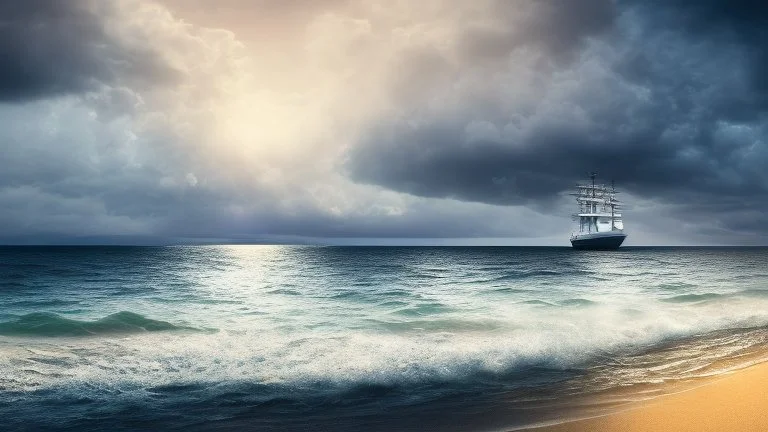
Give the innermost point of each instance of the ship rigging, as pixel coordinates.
(601, 226)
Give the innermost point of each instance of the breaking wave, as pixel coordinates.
(361, 338)
(52, 325)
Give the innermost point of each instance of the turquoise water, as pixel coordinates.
(345, 338)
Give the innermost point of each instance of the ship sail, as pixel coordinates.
(600, 224)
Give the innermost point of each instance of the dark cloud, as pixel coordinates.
(557, 26)
(743, 18)
(510, 106)
(669, 102)
(740, 25)
(51, 47)
(743, 22)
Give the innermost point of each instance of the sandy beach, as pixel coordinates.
(734, 402)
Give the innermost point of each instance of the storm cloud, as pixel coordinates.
(669, 103)
(51, 47)
(166, 121)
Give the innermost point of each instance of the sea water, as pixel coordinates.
(363, 338)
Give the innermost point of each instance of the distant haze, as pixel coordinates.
(378, 121)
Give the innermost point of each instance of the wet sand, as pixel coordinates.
(737, 401)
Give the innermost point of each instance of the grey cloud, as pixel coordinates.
(744, 19)
(739, 27)
(52, 47)
(557, 26)
(744, 22)
(77, 181)
(671, 113)
(644, 93)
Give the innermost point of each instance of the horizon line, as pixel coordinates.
(4, 245)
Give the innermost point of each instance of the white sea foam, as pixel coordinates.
(295, 323)
(513, 337)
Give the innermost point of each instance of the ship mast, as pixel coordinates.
(592, 205)
(594, 229)
(613, 193)
(593, 200)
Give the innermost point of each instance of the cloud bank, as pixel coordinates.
(147, 121)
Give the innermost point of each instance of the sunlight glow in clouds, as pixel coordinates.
(263, 120)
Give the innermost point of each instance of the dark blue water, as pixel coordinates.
(351, 338)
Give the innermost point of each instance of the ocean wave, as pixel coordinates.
(39, 303)
(422, 309)
(577, 302)
(705, 297)
(183, 375)
(54, 325)
(759, 293)
(675, 286)
(692, 298)
(438, 325)
(284, 291)
(511, 290)
(308, 331)
(523, 274)
(406, 354)
(537, 303)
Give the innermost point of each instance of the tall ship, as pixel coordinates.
(600, 226)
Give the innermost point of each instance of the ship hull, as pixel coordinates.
(598, 242)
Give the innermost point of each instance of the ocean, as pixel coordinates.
(296, 338)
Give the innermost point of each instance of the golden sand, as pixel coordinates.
(733, 402)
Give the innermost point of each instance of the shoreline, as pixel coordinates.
(736, 400)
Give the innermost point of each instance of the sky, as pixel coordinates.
(380, 121)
